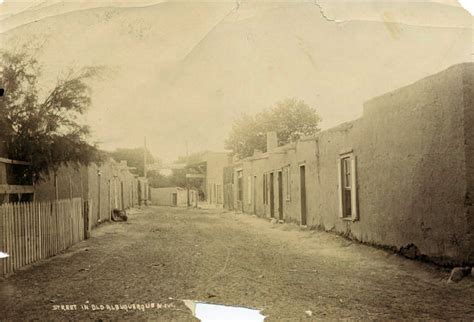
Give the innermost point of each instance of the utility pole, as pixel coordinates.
(144, 157)
(186, 180)
(145, 183)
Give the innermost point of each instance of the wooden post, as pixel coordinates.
(70, 187)
(99, 174)
(56, 186)
(122, 195)
(144, 158)
(110, 210)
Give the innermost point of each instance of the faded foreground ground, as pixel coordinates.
(163, 255)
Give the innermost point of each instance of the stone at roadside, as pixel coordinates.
(410, 251)
(458, 273)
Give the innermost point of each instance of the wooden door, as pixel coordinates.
(280, 195)
(303, 194)
(254, 200)
(272, 197)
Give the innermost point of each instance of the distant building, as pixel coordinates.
(401, 176)
(210, 171)
(143, 191)
(173, 197)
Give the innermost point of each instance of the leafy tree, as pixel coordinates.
(134, 157)
(158, 180)
(290, 119)
(177, 178)
(193, 158)
(44, 129)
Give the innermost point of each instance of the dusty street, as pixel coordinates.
(163, 255)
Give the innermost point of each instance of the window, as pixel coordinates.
(264, 184)
(240, 187)
(288, 183)
(347, 187)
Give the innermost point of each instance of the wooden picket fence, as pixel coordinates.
(37, 230)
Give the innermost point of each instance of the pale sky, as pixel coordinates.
(180, 71)
(468, 5)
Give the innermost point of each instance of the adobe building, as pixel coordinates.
(108, 185)
(173, 197)
(401, 176)
(215, 163)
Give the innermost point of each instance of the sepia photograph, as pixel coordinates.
(236, 160)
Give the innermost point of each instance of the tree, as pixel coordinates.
(177, 177)
(134, 157)
(158, 180)
(193, 158)
(290, 119)
(43, 128)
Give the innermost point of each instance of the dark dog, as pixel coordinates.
(119, 215)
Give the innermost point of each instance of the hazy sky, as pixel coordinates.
(182, 70)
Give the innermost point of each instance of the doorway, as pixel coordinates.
(303, 194)
(254, 200)
(280, 195)
(272, 197)
(174, 199)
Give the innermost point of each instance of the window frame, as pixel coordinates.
(347, 181)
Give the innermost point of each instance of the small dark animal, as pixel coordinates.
(119, 215)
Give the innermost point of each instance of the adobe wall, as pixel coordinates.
(84, 182)
(216, 161)
(71, 181)
(412, 168)
(468, 99)
(238, 205)
(228, 174)
(161, 196)
(112, 174)
(414, 150)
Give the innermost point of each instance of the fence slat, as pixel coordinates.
(27, 226)
(17, 236)
(3, 240)
(15, 233)
(36, 234)
(7, 238)
(18, 218)
(10, 238)
(42, 229)
(36, 230)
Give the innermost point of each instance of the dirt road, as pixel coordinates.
(163, 255)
